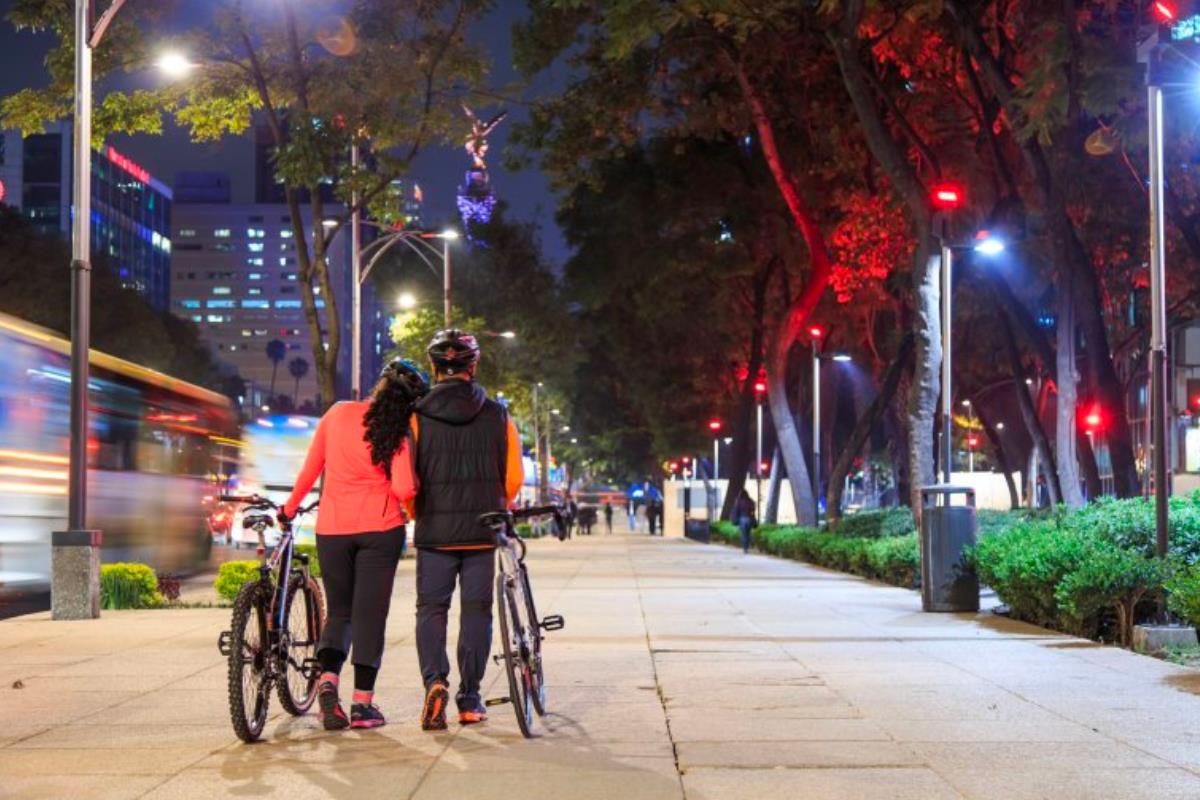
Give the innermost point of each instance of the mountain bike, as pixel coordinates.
(277, 624)
(520, 627)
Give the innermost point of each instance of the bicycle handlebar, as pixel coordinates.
(264, 502)
(536, 511)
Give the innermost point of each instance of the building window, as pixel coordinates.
(254, 262)
(283, 262)
(284, 247)
(186, 233)
(253, 290)
(286, 234)
(255, 233)
(289, 276)
(220, 290)
(254, 276)
(255, 247)
(287, 304)
(256, 304)
(221, 233)
(260, 331)
(215, 318)
(189, 303)
(223, 247)
(197, 318)
(220, 304)
(191, 246)
(287, 289)
(246, 332)
(254, 219)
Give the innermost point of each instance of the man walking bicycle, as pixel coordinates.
(468, 462)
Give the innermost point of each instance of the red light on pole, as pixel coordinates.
(946, 196)
(816, 332)
(972, 441)
(673, 466)
(760, 387)
(1164, 11)
(764, 467)
(714, 425)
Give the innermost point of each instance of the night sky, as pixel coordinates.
(439, 170)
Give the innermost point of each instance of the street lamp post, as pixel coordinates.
(1158, 307)
(760, 390)
(75, 552)
(714, 426)
(817, 357)
(377, 249)
(970, 432)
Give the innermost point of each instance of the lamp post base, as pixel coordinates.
(75, 574)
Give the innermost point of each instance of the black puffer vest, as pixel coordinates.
(462, 449)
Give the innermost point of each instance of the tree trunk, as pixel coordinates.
(741, 452)
(1029, 414)
(1087, 463)
(1065, 404)
(993, 435)
(774, 481)
(862, 430)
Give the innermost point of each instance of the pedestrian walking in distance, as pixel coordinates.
(363, 449)
(468, 462)
(743, 515)
(608, 517)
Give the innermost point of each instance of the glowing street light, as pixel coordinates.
(174, 64)
(407, 301)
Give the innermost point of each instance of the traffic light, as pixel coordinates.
(1093, 418)
(947, 196)
(972, 441)
(714, 425)
(816, 332)
(1164, 12)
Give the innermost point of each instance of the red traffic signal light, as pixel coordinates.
(972, 441)
(1164, 11)
(760, 387)
(816, 332)
(946, 196)
(714, 425)
(673, 466)
(1093, 418)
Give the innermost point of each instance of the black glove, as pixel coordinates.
(283, 519)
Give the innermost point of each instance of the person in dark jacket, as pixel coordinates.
(468, 462)
(743, 517)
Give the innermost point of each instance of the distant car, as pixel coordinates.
(273, 451)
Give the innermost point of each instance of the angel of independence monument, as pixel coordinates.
(475, 198)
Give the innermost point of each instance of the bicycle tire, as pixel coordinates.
(537, 669)
(248, 656)
(298, 691)
(514, 664)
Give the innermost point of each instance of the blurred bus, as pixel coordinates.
(159, 451)
(273, 450)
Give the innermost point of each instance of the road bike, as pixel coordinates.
(277, 624)
(521, 630)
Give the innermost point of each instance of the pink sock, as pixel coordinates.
(363, 698)
(328, 677)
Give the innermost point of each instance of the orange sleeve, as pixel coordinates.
(514, 471)
(314, 464)
(404, 479)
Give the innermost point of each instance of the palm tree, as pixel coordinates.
(276, 351)
(298, 368)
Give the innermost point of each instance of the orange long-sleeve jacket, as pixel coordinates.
(356, 496)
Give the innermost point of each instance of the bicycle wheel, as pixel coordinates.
(537, 670)
(249, 653)
(297, 685)
(511, 640)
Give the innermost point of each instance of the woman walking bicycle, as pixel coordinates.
(362, 448)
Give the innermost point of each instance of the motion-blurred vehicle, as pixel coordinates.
(159, 451)
(273, 450)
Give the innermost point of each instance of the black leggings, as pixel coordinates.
(358, 571)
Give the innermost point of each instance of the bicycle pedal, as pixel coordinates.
(223, 644)
(497, 701)
(555, 622)
(311, 669)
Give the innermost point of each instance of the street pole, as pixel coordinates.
(716, 495)
(947, 420)
(1158, 314)
(537, 439)
(75, 559)
(971, 430)
(446, 280)
(758, 464)
(816, 433)
(356, 285)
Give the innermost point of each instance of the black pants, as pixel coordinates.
(358, 571)
(437, 572)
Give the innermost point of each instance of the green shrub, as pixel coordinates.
(314, 563)
(877, 524)
(128, 586)
(1106, 579)
(232, 576)
(725, 532)
(896, 560)
(526, 531)
(1026, 564)
(1183, 592)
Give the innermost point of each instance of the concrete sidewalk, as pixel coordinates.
(685, 670)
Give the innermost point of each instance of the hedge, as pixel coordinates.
(886, 557)
(1093, 571)
(232, 576)
(129, 586)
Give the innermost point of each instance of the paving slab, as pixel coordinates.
(685, 671)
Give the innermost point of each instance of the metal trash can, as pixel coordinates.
(947, 583)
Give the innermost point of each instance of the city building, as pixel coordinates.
(131, 209)
(235, 276)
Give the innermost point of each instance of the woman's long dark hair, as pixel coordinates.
(392, 403)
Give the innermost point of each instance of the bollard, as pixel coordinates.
(75, 574)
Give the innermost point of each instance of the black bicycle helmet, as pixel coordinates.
(452, 351)
(405, 373)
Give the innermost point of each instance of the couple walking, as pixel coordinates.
(442, 455)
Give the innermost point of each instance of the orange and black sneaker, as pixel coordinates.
(472, 716)
(433, 715)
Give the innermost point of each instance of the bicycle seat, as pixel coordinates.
(258, 521)
(496, 519)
